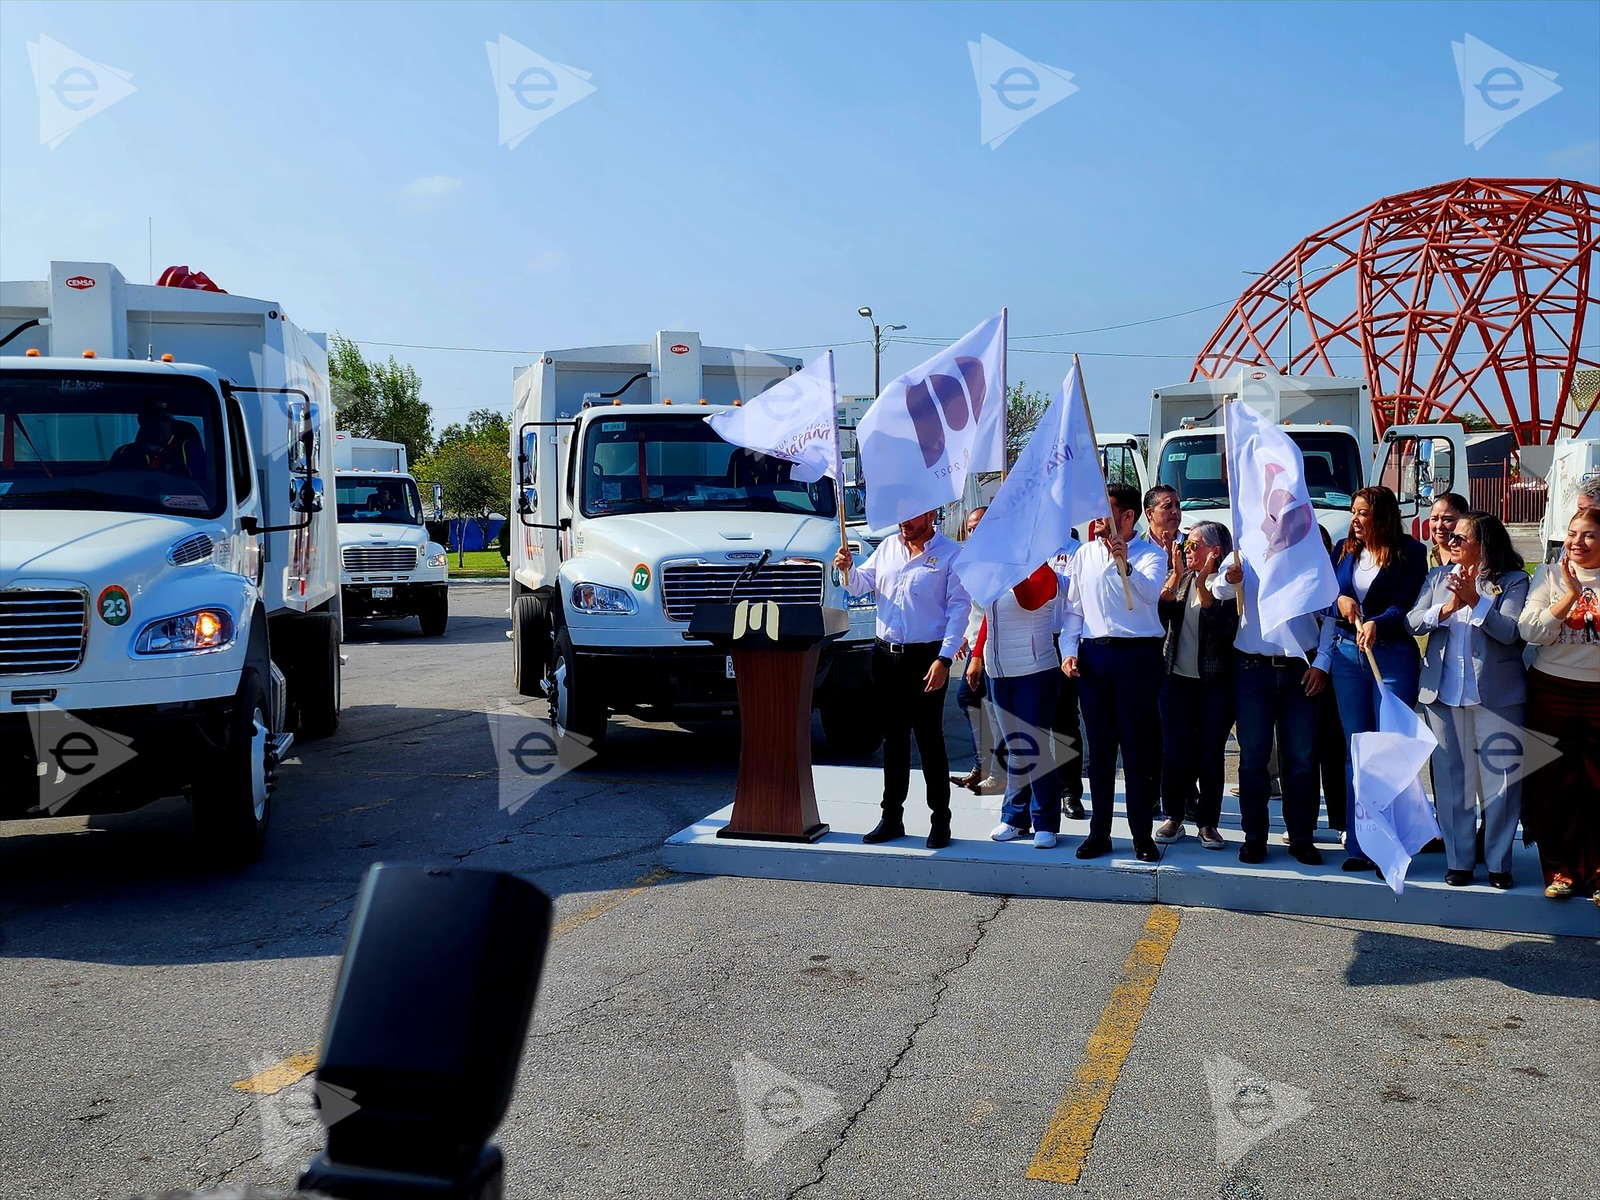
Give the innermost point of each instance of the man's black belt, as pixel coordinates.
(1107, 641)
(902, 647)
(1274, 660)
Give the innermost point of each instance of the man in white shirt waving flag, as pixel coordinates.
(1280, 575)
(935, 425)
(796, 419)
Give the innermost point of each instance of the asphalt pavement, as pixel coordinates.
(719, 1037)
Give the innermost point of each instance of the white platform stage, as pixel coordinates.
(1188, 874)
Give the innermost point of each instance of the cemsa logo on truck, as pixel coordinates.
(80, 282)
(680, 348)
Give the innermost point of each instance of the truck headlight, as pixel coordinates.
(598, 598)
(439, 560)
(203, 629)
(865, 600)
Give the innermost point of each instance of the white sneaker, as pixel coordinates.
(1003, 832)
(1043, 839)
(990, 787)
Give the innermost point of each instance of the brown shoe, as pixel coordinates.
(1559, 888)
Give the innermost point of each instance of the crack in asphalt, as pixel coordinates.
(205, 1178)
(591, 1007)
(527, 826)
(942, 981)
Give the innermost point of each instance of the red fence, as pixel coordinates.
(1514, 501)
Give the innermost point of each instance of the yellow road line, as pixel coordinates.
(297, 1066)
(1065, 1147)
(280, 1075)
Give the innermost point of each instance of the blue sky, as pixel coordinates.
(758, 172)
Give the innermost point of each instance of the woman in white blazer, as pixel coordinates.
(1472, 690)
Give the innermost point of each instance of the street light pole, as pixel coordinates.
(877, 348)
(1288, 320)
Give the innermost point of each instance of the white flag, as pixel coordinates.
(1274, 524)
(796, 419)
(1393, 817)
(1055, 485)
(934, 425)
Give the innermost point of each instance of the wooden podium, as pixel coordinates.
(775, 650)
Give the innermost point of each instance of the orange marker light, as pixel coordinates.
(166, 358)
(207, 627)
(88, 353)
(32, 353)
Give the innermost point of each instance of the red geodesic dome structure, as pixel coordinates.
(1463, 297)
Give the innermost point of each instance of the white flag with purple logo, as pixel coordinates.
(1056, 484)
(1274, 524)
(796, 419)
(1393, 817)
(934, 425)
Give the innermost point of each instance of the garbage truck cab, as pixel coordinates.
(628, 510)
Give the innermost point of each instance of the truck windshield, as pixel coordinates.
(1195, 466)
(392, 500)
(110, 441)
(679, 464)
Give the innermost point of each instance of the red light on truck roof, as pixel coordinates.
(166, 358)
(32, 353)
(88, 353)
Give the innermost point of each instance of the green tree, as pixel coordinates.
(1024, 410)
(379, 400)
(474, 480)
(484, 426)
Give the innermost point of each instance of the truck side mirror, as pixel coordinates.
(438, 502)
(527, 500)
(305, 495)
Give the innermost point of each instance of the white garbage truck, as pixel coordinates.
(627, 510)
(169, 603)
(1330, 419)
(389, 568)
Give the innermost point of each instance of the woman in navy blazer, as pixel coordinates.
(1380, 572)
(1473, 690)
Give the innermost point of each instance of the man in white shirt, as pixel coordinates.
(922, 612)
(1276, 691)
(985, 778)
(1066, 725)
(1115, 652)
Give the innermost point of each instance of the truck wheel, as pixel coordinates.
(851, 726)
(530, 642)
(232, 803)
(435, 612)
(580, 722)
(317, 677)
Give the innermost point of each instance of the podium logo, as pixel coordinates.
(529, 756)
(776, 1108)
(531, 88)
(70, 754)
(1012, 88)
(753, 618)
(1248, 1108)
(1496, 89)
(71, 88)
(293, 1117)
(959, 400)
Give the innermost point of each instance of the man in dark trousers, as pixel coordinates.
(1115, 652)
(922, 613)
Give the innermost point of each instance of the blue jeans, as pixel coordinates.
(1357, 692)
(974, 705)
(1023, 708)
(1270, 695)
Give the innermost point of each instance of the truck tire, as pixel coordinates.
(316, 677)
(851, 725)
(434, 612)
(530, 643)
(232, 801)
(579, 719)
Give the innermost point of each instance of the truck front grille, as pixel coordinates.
(687, 584)
(360, 559)
(43, 631)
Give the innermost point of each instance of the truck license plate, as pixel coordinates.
(730, 666)
(383, 593)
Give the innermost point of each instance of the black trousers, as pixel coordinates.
(1331, 752)
(907, 710)
(1069, 739)
(1196, 718)
(1120, 685)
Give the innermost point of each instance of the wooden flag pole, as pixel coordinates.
(1122, 567)
(1376, 674)
(1233, 483)
(838, 466)
(1005, 395)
